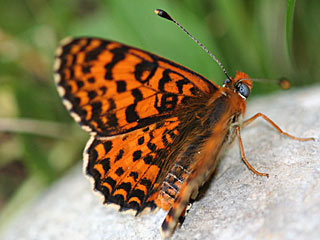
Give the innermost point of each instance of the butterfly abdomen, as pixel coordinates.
(180, 171)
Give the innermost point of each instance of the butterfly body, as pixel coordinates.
(157, 128)
(216, 120)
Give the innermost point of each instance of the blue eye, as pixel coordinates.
(244, 90)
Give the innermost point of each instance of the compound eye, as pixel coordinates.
(244, 90)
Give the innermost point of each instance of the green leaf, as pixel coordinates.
(289, 26)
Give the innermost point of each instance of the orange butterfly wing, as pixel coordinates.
(126, 169)
(111, 88)
(136, 105)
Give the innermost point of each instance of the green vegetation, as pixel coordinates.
(39, 141)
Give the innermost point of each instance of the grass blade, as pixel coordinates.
(289, 26)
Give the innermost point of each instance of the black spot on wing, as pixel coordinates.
(180, 84)
(96, 108)
(117, 199)
(119, 171)
(119, 155)
(103, 90)
(135, 175)
(112, 104)
(110, 181)
(145, 70)
(66, 48)
(79, 83)
(107, 146)
(137, 193)
(121, 86)
(112, 120)
(146, 129)
(166, 103)
(151, 146)
(136, 93)
(165, 79)
(131, 114)
(146, 183)
(86, 69)
(94, 53)
(104, 190)
(118, 56)
(105, 164)
(91, 80)
(136, 155)
(141, 140)
(92, 94)
(132, 205)
(148, 159)
(125, 186)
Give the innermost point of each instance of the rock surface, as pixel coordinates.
(237, 203)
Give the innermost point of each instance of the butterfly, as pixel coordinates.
(156, 128)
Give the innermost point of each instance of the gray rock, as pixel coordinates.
(237, 203)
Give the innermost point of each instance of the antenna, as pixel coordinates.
(165, 15)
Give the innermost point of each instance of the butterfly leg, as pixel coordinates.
(244, 157)
(248, 121)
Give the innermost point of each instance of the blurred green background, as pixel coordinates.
(39, 142)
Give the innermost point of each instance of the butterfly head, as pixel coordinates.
(241, 84)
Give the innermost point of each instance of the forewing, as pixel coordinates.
(111, 88)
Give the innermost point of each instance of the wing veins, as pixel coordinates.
(150, 190)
